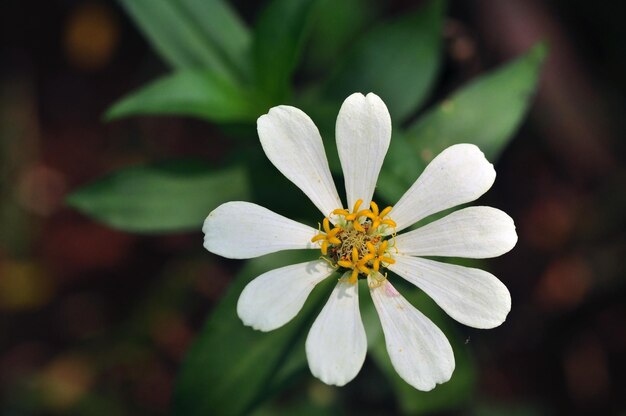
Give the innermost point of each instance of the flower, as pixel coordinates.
(362, 241)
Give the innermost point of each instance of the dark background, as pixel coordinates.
(101, 317)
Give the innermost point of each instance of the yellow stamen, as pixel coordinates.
(318, 237)
(355, 241)
(357, 226)
(378, 217)
(385, 211)
(354, 277)
(374, 207)
(356, 264)
(327, 237)
(378, 255)
(351, 216)
(324, 247)
(389, 222)
(355, 210)
(345, 263)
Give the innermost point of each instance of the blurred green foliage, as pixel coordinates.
(231, 367)
(486, 112)
(147, 198)
(398, 61)
(226, 73)
(194, 34)
(196, 93)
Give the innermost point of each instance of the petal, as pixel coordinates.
(473, 297)
(336, 344)
(294, 145)
(419, 351)
(457, 175)
(241, 230)
(363, 133)
(474, 232)
(275, 298)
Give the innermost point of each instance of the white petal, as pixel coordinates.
(336, 344)
(474, 232)
(419, 351)
(457, 175)
(363, 133)
(241, 230)
(294, 145)
(275, 298)
(473, 297)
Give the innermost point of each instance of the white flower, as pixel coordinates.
(362, 242)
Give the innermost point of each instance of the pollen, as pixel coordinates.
(357, 243)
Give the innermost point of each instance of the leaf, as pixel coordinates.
(189, 93)
(401, 168)
(336, 25)
(398, 61)
(193, 34)
(230, 367)
(486, 112)
(279, 37)
(316, 399)
(162, 197)
(446, 396)
(223, 26)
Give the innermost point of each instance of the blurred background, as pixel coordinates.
(97, 321)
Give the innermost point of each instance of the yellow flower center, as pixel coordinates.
(358, 241)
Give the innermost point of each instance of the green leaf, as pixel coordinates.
(486, 112)
(162, 197)
(336, 25)
(445, 396)
(189, 93)
(314, 399)
(279, 37)
(220, 24)
(229, 368)
(398, 61)
(401, 168)
(193, 34)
